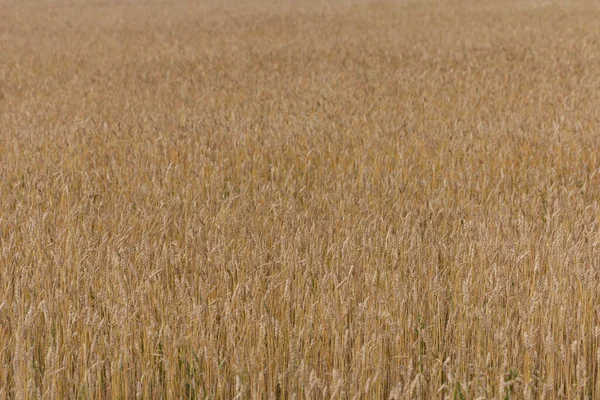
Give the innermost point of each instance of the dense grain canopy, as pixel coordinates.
(316, 199)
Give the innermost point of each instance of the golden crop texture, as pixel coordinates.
(299, 199)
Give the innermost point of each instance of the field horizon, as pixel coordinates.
(321, 199)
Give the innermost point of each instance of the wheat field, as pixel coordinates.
(299, 199)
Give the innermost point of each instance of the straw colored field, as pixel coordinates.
(392, 199)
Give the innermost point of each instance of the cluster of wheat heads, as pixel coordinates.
(299, 200)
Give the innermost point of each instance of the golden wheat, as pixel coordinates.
(273, 199)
